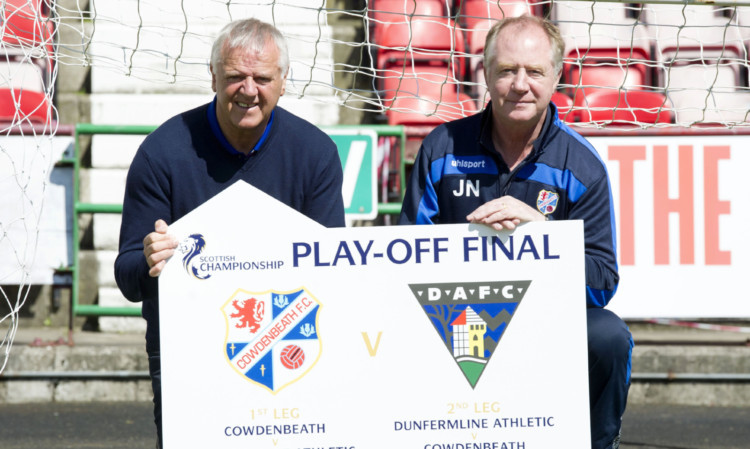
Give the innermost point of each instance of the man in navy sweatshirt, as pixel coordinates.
(517, 162)
(241, 135)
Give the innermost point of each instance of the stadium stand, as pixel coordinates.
(26, 69)
(27, 31)
(625, 107)
(385, 13)
(723, 103)
(422, 41)
(21, 76)
(19, 106)
(474, 14)
(564, 107)
(478, 17)
(423, 80)
(422, 114)
(691, 45)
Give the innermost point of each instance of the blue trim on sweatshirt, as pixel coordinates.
(563, 179)
(214, 123)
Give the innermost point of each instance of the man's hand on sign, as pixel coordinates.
(504, 213)
(158, 246)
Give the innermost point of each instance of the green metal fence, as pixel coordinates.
(80, 207)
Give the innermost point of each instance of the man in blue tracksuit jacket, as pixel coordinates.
(517, 162)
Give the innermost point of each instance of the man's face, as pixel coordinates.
(248, 86)
(522, 78)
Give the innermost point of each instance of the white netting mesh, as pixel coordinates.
(409, 62)
(418, 56)
(27, 125)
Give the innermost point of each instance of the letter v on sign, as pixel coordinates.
(372, 350)
(471, 318)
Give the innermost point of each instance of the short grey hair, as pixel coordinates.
(252, 34)
(553, 33)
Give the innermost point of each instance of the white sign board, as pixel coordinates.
(278, 333)
(683, 247)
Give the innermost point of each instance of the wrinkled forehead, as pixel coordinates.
(522, 40)
(240, 56)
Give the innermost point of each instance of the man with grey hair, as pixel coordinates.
(241, 135)
(517, 162)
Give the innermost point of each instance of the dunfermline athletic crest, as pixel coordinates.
(272, 337)
(470, 318)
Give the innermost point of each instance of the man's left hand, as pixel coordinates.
(504, 213)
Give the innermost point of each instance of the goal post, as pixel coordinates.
(672, 67)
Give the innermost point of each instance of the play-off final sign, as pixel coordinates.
(427, 337)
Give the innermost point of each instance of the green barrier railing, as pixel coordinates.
(100, 208)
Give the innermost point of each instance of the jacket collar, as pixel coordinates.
(546, 133)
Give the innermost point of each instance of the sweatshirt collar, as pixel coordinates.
(214, 123)
(485, 134)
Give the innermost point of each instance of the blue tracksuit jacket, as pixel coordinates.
(458, 170)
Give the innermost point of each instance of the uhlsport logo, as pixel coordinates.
(191, 247)
(272, 337)
(546, 201)
(471, 318)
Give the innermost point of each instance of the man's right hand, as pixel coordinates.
(158, 246)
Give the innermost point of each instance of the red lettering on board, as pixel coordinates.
(626, 156)
(682, 205)
(713, 207)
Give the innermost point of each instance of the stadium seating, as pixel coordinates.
(431, 81)
(21, 75)
(743, 20)
(625, 107)
(690, 33)
(685, 87)
(26, 28)
(426, 113)
(606, 69)
(422, 40)
(384, 13)
(27, 34)
(564, 107)
(474, 12)
(19, 106)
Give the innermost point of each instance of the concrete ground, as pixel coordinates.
(691, 390)
(129, 425)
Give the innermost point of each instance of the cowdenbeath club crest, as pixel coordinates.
(546, 201)
(272, 337)
(470, 318)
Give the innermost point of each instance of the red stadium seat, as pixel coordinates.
(18, 105)
(426, 111)
(564, 107)
(423, 112)
(27, 34)
(474, 11)
(422, 39)
(606, 69)
(26, 27)
(422, 80)
(625, 107)
(384, 13)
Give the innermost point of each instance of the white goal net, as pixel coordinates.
(405, 62)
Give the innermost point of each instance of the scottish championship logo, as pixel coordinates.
(272, 337)
(191, 247)
(470, 318)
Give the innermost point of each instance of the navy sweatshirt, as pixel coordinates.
(457, 170)
(187, 160)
